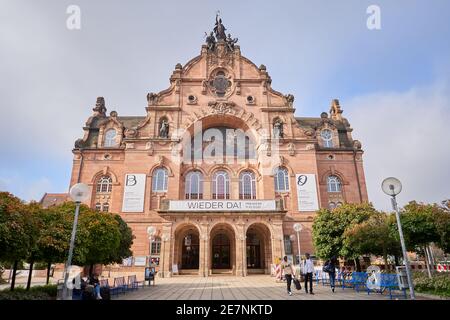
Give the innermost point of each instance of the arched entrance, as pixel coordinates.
(223, 249)
(187, 249)
(258, 249)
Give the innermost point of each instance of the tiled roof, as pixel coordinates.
(54, 199)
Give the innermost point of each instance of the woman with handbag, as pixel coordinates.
(288, 272)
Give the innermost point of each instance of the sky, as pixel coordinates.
(393, 83)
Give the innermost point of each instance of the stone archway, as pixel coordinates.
(187, 249)
(222, 249)
(258, 249)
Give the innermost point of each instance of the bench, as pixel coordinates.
(356, 280)
(133, 284)
(389, 282)
(119, 286)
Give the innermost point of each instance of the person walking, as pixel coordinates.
(308, 270)
(288, 272)
(331, 269)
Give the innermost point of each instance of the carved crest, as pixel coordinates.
(221, 107)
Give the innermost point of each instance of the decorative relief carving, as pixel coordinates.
(131, 133)
(291, 149)
(221, 107)
(149, 148)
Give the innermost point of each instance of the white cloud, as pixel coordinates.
(405, 134)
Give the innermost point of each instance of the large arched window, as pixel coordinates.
(104, 184)
(281, 179)
(194, 185)
(247, 185)
(110, 138)
(160, 177)
(327, 138)
(221, 185)
(334, 184)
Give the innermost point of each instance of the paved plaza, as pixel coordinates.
(255, 287)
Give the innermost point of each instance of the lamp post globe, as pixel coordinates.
(391, 186)
(79, 192)
(298, 227)
(292, 237)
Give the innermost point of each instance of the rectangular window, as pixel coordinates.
(287, 244)
(156, 248)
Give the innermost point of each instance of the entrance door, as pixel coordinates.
(190, 252)
(221, 252)
(253, 251)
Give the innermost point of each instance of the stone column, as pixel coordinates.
(204, 250)
(241, 258)
(234, 188)
(277, 242)
(166, 252)
(207, 188)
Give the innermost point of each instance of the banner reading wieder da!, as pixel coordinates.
(307, 192)
(134, 193)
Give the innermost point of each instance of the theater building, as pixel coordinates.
(220, 166)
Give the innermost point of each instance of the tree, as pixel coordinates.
(373, 237)
(126, 240)
(419, 228)
(53, 241)
(418, 224)
(103, 240)
(17, 234)
(442, 223)
(330, 225)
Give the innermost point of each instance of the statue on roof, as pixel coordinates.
(231, 42)
(219, 29)
(210, 41)
(100, 108)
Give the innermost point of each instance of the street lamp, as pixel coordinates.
(392, 187)
(165, 238)
(298, 227)
(78, 193)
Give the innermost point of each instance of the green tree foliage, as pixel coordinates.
(442, 220)
(373, 237)
(126, 240)
(330, 225)
(18, 231)
(419, 225)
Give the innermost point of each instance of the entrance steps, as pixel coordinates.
(256, 271)
(225, 272)
(188, 272)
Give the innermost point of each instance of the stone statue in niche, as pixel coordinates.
(278, 129)
(164, 129)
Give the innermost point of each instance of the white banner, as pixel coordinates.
(307, 192)
(222, 205)
(134, 193)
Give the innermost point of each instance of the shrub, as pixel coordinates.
(35, 293)
(439, 284)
